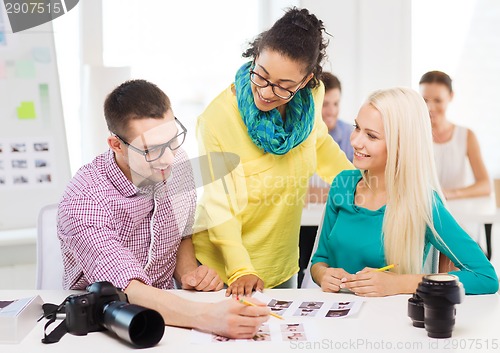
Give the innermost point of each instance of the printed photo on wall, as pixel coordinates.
(41, 146)
(27, 162)
(18, 147)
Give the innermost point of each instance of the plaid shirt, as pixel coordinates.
(110, 230)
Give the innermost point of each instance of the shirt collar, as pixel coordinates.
(122, 184)
(117, 178)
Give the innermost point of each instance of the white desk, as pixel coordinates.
(382, 325)
(475, 209)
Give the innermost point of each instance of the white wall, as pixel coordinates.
(370, 48)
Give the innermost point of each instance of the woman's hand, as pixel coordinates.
(245, 285)
(371, 283)
(330, 278)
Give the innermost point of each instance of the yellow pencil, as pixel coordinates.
(243, 301)
(388, 267)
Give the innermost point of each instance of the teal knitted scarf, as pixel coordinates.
(266, 129)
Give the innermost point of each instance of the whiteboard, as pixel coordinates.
(34, 163)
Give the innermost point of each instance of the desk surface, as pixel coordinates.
(382, 325)
(473, 209)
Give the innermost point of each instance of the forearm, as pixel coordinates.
(407, 284)
(175, 310)
(318, 271)
(480, 188)
(186, 259)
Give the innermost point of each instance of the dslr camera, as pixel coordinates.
(433, 304)
(106, 307)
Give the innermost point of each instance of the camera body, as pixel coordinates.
(106, 307)
(85, 312)
(433, 304)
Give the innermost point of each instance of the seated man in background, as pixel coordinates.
(126, 218)
(318, 190)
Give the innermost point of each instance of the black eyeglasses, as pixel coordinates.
(154, 153)
(279, 91)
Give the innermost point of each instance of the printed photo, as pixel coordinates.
(41, 163)
(294, 336)
(306, 312)
(342, 305)
(264, 328)
(44, 178)
(218, 338)
(262, 336)
(278, 311)
(20, 179)
(2, 179)
(19, 163)
(337, 313)
(311, 305)
(18, 147)
(292, 327)
(41, 146)
(279, 304)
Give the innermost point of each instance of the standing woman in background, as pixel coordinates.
(270, 118)
(455, 147)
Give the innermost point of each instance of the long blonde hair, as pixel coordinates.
(410, 176)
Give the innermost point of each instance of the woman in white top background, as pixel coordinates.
(456, 148)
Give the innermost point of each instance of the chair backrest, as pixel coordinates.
(308, 282)
(48, 249)
(431, 264)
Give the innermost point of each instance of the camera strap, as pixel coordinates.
(50, 312)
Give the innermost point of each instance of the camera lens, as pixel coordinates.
(416, 310)
(135, 324)
(440, 293)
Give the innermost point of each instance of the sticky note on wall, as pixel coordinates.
(25, 69)
(26, 110)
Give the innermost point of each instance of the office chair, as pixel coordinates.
(48, 249)
(308, 282)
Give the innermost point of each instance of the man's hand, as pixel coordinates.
(245, 285)
(203, 279)
(230, 318)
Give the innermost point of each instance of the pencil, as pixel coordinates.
(243, 301)
(388, 267)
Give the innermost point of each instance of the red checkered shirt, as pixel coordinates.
(110, 230)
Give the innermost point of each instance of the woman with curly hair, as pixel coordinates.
(270, 120)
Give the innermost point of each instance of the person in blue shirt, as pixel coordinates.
(338, 129)
(390, 210)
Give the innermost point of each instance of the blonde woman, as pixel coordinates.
(390, 211)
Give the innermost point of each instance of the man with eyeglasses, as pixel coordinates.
(127, 217)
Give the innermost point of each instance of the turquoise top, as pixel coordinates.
(351, 238)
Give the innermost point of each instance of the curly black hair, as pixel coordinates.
(297, 35)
